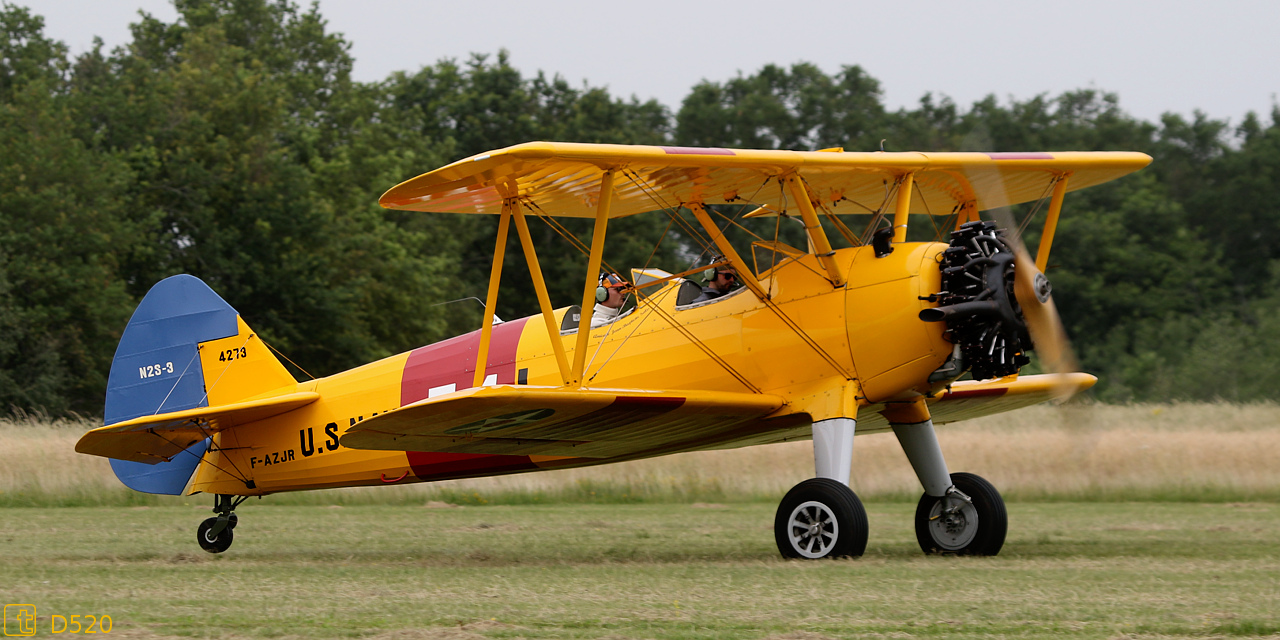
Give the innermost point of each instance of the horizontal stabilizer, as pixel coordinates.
(155, 439)
(553, 421)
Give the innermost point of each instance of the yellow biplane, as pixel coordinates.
(865, 334)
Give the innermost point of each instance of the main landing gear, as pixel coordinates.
(969, 521)
(215, 534)
(959, 514)
(822, 517)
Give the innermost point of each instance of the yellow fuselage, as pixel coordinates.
(826, 350)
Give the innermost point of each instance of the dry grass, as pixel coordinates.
(1163, 452)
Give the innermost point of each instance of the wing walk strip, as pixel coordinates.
(580, 423)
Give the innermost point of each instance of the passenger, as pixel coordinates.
(724, 280)
(609, 299)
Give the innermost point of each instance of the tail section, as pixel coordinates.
(184, 348)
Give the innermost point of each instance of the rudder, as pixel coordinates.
(176, 353)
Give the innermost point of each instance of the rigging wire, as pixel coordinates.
(773, 306)
(840, 226)
(225, 367)
(573, 240)
(286, 358)
(1035, 209)
(175, 382)
(238, 475)
(889, 192)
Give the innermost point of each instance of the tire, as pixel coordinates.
(213, 544)
(976, 529)
(826, 508)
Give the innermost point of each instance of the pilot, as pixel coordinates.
(609, 299)
(724, 280)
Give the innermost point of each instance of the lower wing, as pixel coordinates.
(581, 423)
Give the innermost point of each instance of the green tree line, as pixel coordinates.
(232, 144)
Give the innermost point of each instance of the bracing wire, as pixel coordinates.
(225, 367)
(286, 358)
(175, 382)
(238, 475)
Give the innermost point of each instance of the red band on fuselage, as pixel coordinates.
(453, 362)
(444, 466)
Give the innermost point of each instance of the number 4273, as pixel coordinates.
(232, 354)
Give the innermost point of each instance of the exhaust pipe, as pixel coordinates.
(961, 310)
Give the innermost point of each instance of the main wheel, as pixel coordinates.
(820, 518)
(214, 544)
(951, 525)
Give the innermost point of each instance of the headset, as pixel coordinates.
(709, 273)
(608, 281)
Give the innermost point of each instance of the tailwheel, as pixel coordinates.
(969, 521)
(214, 534)
(820, 518)
(211, 541)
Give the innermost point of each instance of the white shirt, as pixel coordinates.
(604, 315)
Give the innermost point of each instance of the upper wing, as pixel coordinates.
(563, 179)
(592, 423)
(155, 439)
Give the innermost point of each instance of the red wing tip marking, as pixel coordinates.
(697, 151)
(973, 393)
(1013, 155)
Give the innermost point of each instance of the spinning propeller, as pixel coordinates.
(1035, 297)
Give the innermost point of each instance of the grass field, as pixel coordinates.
(1125, 522)
(1110, 570)
(1201, 452)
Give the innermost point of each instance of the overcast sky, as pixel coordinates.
(1167, 55)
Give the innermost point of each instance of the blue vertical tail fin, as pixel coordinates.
(158, 369)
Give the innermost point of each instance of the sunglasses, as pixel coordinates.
(727, 275)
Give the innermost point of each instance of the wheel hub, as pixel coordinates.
(812, 529)
(953, 523)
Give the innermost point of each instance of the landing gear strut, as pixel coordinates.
(959, 513)
(822, 517)
(215, 534)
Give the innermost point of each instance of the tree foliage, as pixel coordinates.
(232, 144)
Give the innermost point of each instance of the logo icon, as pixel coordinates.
(19, 619)
(505, 421)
